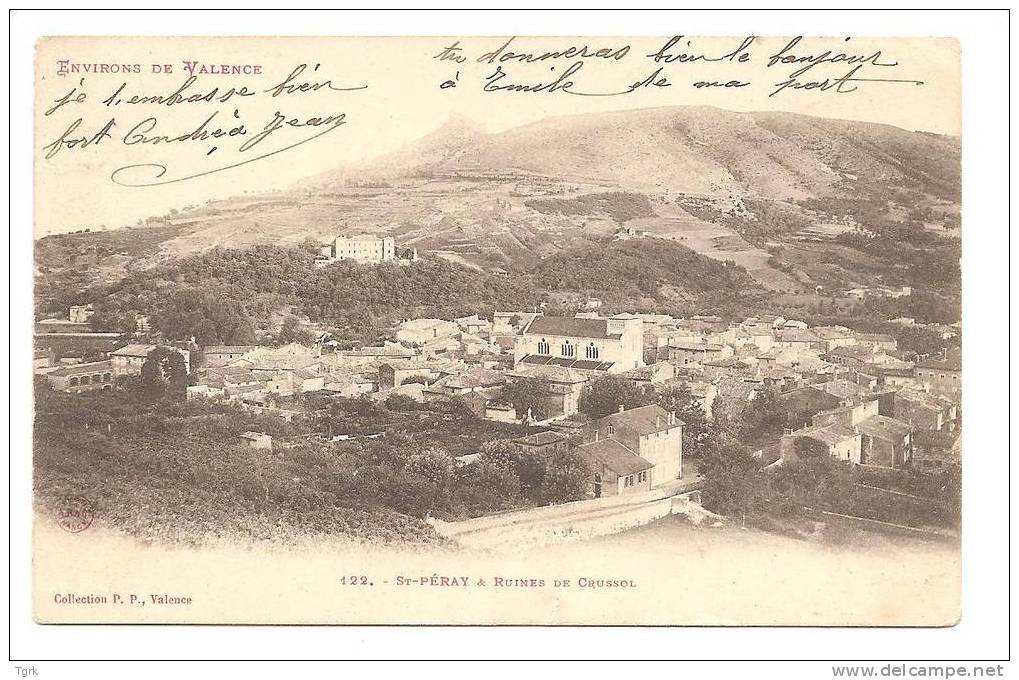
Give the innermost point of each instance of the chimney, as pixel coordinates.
(596, 436)
(672, 417)
(621, 408)
(658, 422)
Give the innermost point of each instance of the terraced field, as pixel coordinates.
(718, 242)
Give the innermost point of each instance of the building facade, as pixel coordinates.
(615, 469)
(365, 248)
(94, 375)
(221, 355)
(941, 376)
(599, 345)
(80, 313)
(650, 432)
(129, 359)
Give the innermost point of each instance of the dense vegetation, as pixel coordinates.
(887, 240)
(656, 272)
(737, 485)
(225, 296)
(920, 257)
(178, 471)
(619, 205)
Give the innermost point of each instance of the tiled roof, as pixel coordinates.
(285, 362)
(929, 399)
(722, 362)
(883, 427)
(229, 349)
(844, 389)
(802, 398)
(696, 346)
(950, 364)
(541, 438)
(240, 377)
(79, 369)
(420, 365)
(476, 378)
(832, 333)
(570, 327)
(133, 351)
(797, 335)
(388, 350)
(853, 352)
(613, 456)
(829, 434)
(583, 364)
(553, 373)
(630, 425)
(649, 372)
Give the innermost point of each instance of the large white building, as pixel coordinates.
(604, 345)
(633, 450)
(364, 248)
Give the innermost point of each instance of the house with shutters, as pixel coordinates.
(221, 355)
(884, 441)
(633, 450)
(941, 375)
(616, 470)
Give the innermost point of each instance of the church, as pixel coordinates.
(593, 345)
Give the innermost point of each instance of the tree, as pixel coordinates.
(566, 477)
(291, 331)
(680, 399)
(433, 464)
(243, 333)
(733, 485)
(813, 478)
(495, 479)
(211, 316)
(529, 467)
(762, 416)
(524, 394)
(608, 393)
(110, 317)
(922, 341)
(205, 333)
(164, 375)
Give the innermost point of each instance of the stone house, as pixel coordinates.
(650, 432)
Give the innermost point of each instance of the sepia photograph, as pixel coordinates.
(341, 339)
(539, 331)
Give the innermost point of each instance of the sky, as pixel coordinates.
(368, 96)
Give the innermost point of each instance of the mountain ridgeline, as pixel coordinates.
(693, 150)
(716, 203)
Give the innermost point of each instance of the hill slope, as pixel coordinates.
(731, 186)
(693, 150)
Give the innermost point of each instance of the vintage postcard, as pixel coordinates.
(497, 330)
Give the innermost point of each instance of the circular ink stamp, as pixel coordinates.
(75, 514)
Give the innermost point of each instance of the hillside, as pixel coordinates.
(693, 150)
(794, 200)
(228, 295)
